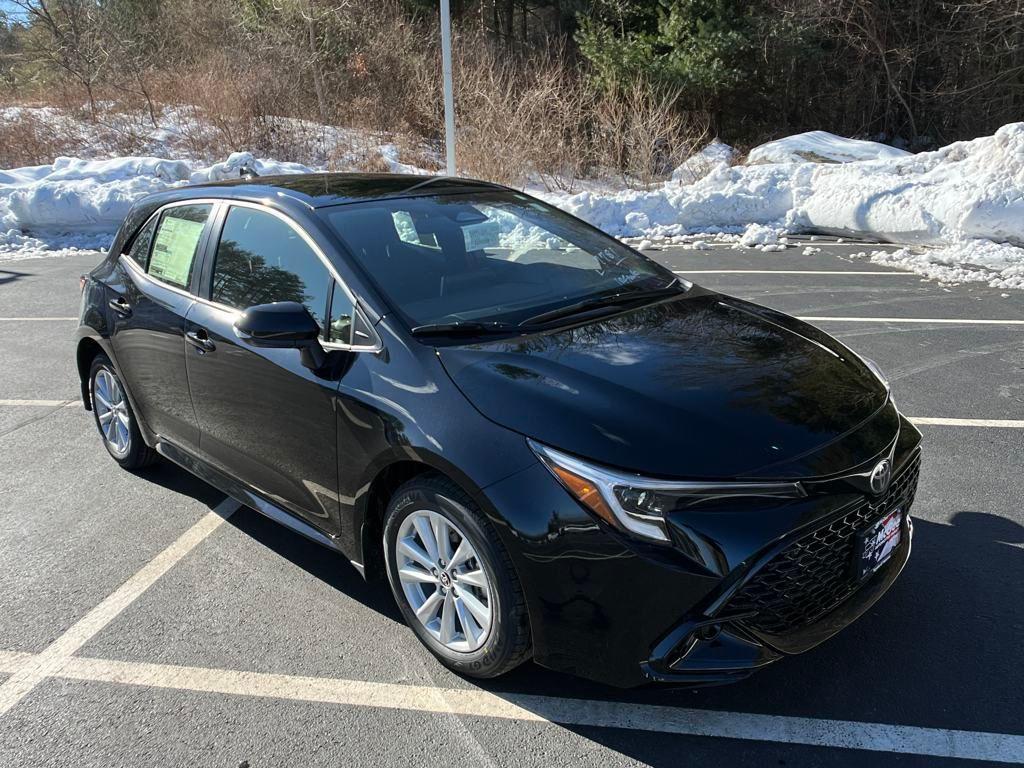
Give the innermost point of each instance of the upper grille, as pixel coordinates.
(815, 573)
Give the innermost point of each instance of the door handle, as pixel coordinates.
(200, 340)
(120, 305)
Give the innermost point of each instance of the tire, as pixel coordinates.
(125, 445)
(506, 642)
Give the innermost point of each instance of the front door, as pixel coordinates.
(148, 301)
(264, 417)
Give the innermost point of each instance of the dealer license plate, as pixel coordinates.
(878, 543)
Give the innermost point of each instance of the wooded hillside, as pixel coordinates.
(567, 88)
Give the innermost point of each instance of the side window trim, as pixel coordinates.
(216, 228)
(217, 218)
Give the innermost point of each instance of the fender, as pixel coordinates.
(367, 508)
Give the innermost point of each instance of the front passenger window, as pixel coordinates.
(261, 259)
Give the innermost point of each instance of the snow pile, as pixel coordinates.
(699, 165)
(821, 147)
(966, 199)
(83, 197)
(763, 238)
(241, 163)
(969, 195)
(727, 198)
(77, 203)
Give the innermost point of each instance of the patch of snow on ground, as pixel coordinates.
(998, 265)
(821, 147)
(15, 246)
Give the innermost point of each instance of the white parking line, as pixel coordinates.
(994, 423)
(37, 403)
(841, 734)
(928, 320)
(53, 658)
(27, 319)
(12, 661)
(791, 272)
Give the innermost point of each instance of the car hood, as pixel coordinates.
(702, 386)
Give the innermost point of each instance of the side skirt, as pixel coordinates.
(245, 495)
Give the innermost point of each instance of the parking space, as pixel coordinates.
(249, 644)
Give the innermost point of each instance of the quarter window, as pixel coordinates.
(261, 259)
(139, 252)
(176, 242)
(340, 328)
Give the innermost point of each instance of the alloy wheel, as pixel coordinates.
(112, 412)
(444, 580)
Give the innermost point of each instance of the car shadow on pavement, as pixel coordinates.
(168, 475)
(329, 567)
(939, 650)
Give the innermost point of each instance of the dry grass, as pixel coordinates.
(28, 139)
(517, 120)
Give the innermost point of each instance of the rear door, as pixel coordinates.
(265, 419)
(148, 301)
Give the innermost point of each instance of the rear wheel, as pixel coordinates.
(453, 581)
(114, 417)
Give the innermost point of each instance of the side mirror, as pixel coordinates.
(282, 325)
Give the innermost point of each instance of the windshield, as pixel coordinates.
(496, 257)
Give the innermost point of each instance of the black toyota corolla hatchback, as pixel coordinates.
(551, 446)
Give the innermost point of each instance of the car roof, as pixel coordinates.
(300, 190)
(318, 190)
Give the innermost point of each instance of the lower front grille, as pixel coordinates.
(815, 573)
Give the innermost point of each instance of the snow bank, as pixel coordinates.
(958, 195)
(821, 147)
(240, 163)
(699, 165)
(80, 203)
(967, 199)
(83, 197)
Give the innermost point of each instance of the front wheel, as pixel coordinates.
(115, 418)
(453, 580)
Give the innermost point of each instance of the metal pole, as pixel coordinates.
(449, 98)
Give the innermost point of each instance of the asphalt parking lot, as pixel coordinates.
(146, 620)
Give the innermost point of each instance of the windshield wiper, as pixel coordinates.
(468, 328)
(601, 302)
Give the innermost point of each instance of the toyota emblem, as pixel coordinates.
(880, 476)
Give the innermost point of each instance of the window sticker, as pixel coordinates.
(173, 250)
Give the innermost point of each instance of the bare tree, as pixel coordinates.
(72, 39)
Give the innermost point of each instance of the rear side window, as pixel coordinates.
(139, 251)
(176, 242)
(261, 259)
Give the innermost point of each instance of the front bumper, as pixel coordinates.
(613, 610)
(722, 648)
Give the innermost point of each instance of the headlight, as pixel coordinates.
(873, 367)
(639, 505)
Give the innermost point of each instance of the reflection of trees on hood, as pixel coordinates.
(242, 279)
(746, 362)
